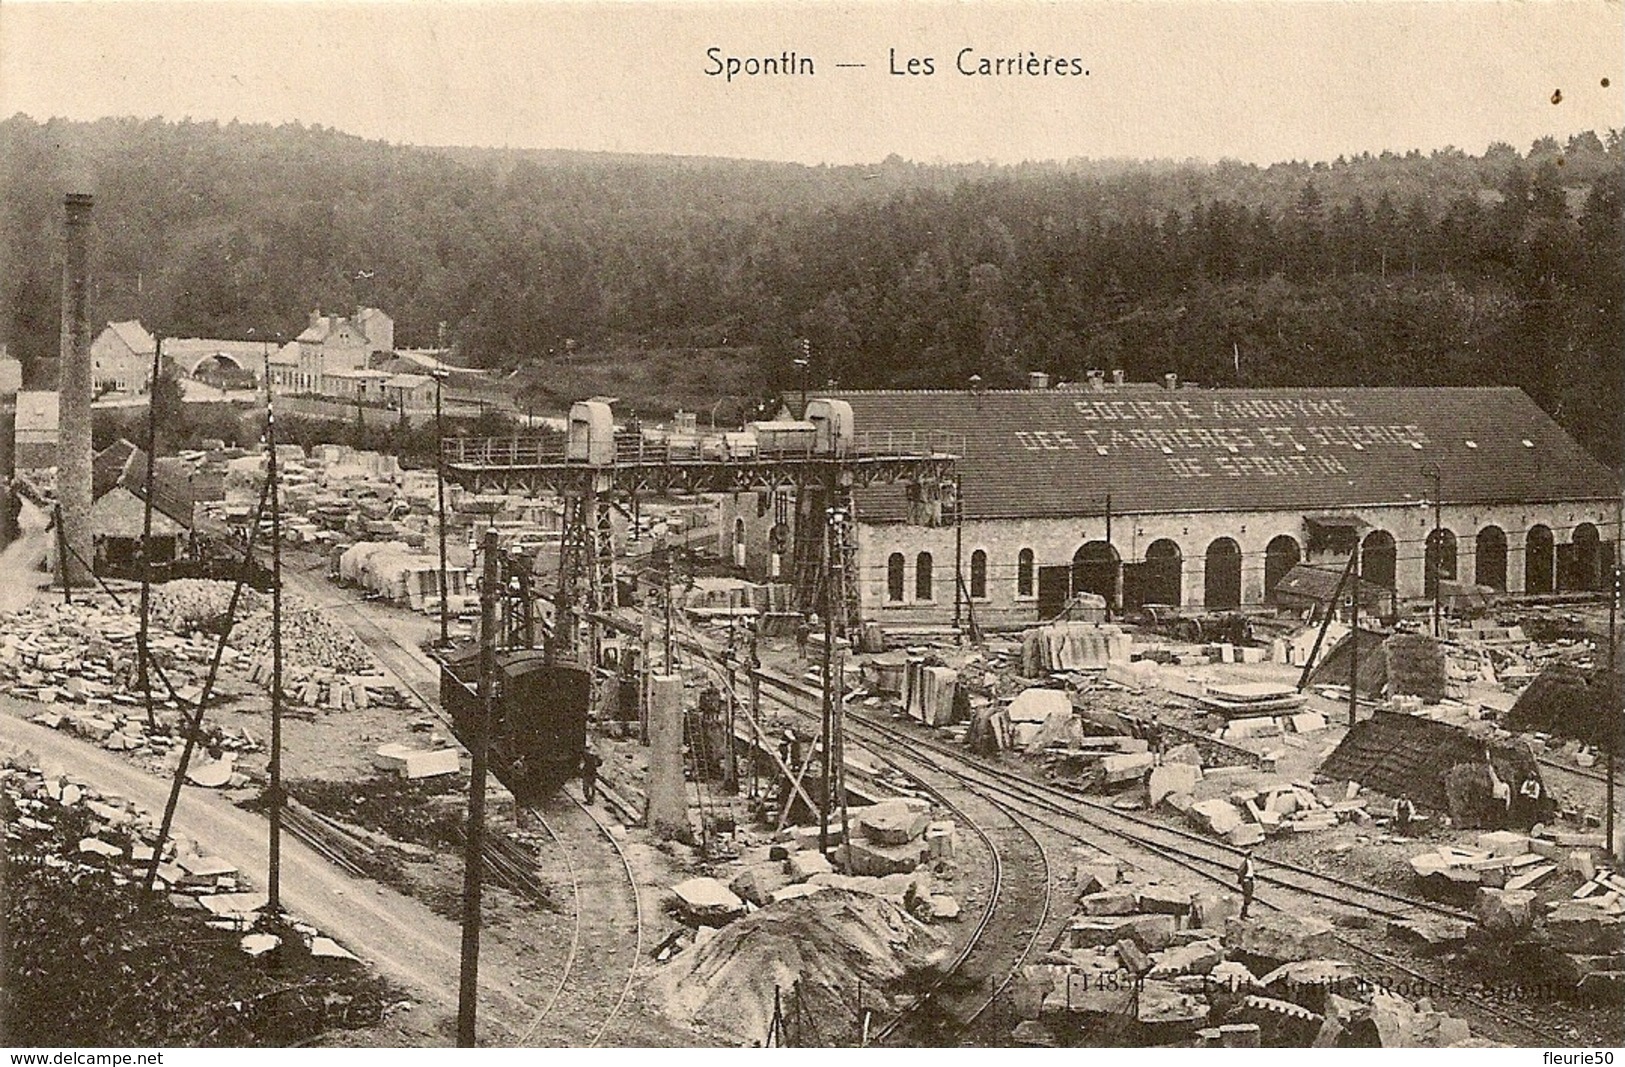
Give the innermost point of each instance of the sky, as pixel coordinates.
(1207, 79)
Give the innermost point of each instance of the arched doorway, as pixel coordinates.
(1537, 560)
(1438, 560)
(1585, 556)
(1221, 587)
(1280, 556)
(1094, 570)
(1378, 559)
(1164, 564)
(1490, 558)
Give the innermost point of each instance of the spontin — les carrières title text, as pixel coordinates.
(968, 61)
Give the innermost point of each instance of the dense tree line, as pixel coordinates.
(1420, 268)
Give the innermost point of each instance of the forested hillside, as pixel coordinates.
(1425, 268)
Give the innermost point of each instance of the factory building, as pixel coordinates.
(1206, 498)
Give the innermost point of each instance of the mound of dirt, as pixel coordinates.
(836, 944)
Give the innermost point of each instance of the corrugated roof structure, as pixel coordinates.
(1058, 452)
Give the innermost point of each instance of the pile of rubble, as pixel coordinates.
(1150, 963)
(1549, 892)
(85, 652)
(820, 958)
(120, 837)
(891, 854)
(310, 640)
(1243, 806)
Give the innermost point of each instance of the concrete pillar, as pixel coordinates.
(667, 813)
(74, 388)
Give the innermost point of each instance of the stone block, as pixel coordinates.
(1246, 835)
(1030, 1033)
(865, 857)
(1165, 1007)
(1217, 816)
(891, 823)
(1132, 957)
(758, 882)
(1505, 911)
(1108, 902)
(1279, 938)
(431, 764)
(806, 863)
(1198, 957)
(1171, 778)
(941, 842)
(1503, 843)
(1161, 899)
(1579, 927)
(1128, 767)
(707, 901)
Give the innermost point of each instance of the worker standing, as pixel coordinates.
(1247, 877)
(1404, 815)
(589, 775)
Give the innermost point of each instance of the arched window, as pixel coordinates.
(1280, 556)
(922, 577)
(894, 578)
(978, 575)
(1024, 572)
(1586, 569)
(1222, 583)
(1538, 565)
(1379, 558)
(1164, 564)
(1490, 561)
(1438, 559)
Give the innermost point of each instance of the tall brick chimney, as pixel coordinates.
(74, 394)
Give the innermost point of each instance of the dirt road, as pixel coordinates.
(20, 573)
(404, 940)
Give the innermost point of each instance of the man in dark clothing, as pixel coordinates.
(589, 775)
(1404, 815)
(1246, 876)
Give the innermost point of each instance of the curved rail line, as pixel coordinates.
(406, 665)
(583, 900)
(933, 1009)
(1144, 832)
(1224, 876)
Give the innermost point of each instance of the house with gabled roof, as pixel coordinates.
(121, 357)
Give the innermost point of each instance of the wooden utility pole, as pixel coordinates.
(474, 851)
(1616, 715)
(1354, 656)
(142, 648)
(440, 495)
(274, 867)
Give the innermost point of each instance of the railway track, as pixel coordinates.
(1006, 932)
(1008, 929)
(606, 906)
(1050, 806)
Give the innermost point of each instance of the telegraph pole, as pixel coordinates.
(1616, 715)
(440, 491)
(143, 654)
(274, 876)
(1436, 568)
(473, 853)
